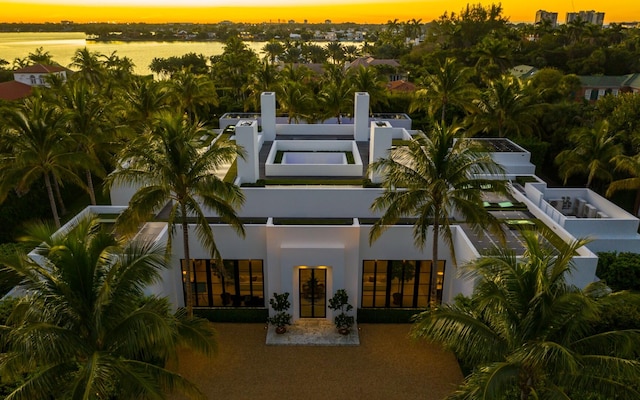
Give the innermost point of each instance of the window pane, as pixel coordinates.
(200, 290)
(382, 277)
(244, 276)
(440, 282)
(220, 297)
(257, 285)
(368, 282)
(423, 286)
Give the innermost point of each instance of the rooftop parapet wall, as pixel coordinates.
(617, 225)
(314, 168)
(314, 129)
(309, 202)
(402, 120)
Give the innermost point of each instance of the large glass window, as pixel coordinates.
(399, 283)
(235, 283)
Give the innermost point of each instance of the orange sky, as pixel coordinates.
(376, 11)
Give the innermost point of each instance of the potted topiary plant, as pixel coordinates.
(340, 302)
(280, 303)
(402, 271)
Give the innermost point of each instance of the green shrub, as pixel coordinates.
(621, 271)
(386, 315)
(618, 316)
(8, 279)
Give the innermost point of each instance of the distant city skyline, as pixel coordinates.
(314, 11)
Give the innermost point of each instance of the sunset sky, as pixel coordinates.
(361, 11)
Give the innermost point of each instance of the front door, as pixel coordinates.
(313, 292)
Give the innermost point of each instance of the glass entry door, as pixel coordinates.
(313, 292)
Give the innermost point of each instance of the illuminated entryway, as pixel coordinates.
(313, 292)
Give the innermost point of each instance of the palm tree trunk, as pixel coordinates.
(433, 295)
(92, 193)
(636, 203)
(56, 186)
(52, 201)
(187, 260)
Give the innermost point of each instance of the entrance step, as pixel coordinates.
(312, 332)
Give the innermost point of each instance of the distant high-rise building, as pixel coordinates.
(591, 17)
(542, 15)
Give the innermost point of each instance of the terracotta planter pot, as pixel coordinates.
(344, 331)
(281, 329)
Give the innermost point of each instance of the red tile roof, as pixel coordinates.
(14, 90)
(402, 86)
(40, 69)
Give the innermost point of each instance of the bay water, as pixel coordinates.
(62, 46)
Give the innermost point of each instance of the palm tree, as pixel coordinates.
(292, 55)
(630, 165)
(336, 51)
(144, 99)
(449, 86)
(192, 93)
(118, 69)
(264, 79)
(507, 107)
(89, 123)
(234, 67)
(35, 145)
(294, 98)
(367, 80)
(174, 166)
(91, 69)
(85, 329)
(432, 179)
(314, 53)
(272, 51)
(527, 333)
(494, 56)
(351, 52)
(335, 97)
(593, 152)
(41, 57)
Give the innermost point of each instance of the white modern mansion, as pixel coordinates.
(307, 218)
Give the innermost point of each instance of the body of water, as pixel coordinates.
(62, 46)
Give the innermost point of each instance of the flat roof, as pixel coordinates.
(500, 145)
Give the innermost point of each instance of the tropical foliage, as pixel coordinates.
(171, 164)
(528, 333)
(593, 153)
(83, 328)
(621, 271)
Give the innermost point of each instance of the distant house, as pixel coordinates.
(27, 77)
(35, 75)
(392, 66)
(523, 71)
(596, 86)
(401, 86)
(14, 90)
(316, 68)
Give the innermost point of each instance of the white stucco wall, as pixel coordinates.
(317, 169)
(291, 247)
(312, 201)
